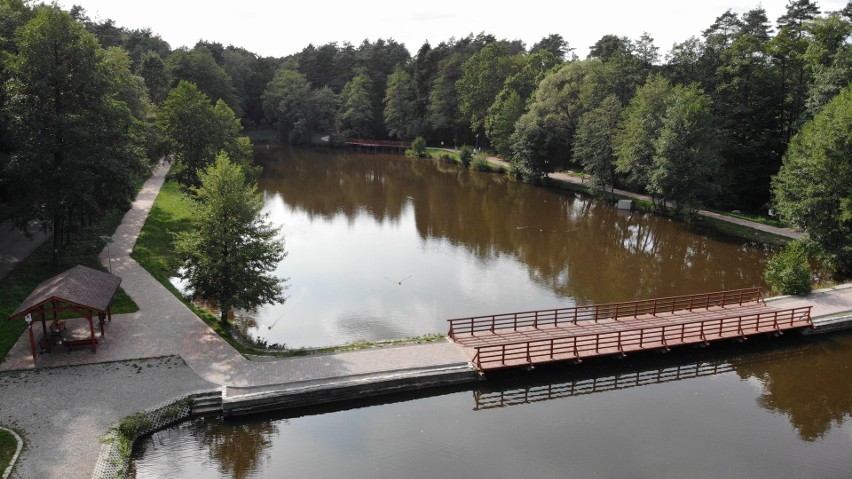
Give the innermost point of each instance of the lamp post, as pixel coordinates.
(108, 240)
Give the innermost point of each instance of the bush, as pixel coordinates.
(480, 163)
(788, 271)
(466, 155)
(418, 147)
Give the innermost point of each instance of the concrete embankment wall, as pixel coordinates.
(276, 398)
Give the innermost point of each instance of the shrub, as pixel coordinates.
(418, 147)
(788, 271)
(466, 155)
(480, 163)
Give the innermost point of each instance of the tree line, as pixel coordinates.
(708, 123)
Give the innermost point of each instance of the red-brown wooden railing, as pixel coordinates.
(590, 344)
(596, 312)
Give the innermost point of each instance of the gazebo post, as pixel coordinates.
(32, 340)
(101, 322)
(43, 325)
(92, 331)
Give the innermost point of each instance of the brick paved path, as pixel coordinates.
(165, 326)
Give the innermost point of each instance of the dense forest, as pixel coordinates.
(85, 103)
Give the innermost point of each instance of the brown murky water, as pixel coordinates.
(383, 247)
(770, 408)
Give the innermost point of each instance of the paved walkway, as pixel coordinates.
(577, 180)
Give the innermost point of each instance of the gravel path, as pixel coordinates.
(64, 411)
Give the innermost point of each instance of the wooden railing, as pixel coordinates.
(583, 345)
(597, 312)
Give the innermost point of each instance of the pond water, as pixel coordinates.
(384, 247)
(772, 408)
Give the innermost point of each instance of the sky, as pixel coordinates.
(279, 28)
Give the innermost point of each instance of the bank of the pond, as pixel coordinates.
(730, 224)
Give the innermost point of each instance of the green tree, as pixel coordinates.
(444, 116)
(686, 152)
(556, 45)
(230, 251)
(195, 131)
(199, 66)
(153, 70)
(788, 52)
(73, 134)
(812, 188)
(788, 271)
(502, 116)
(640, 127)
(829, 60)
(400, 112)
(356, 107)
(483, 75)
(746, 113)
(593, 143)
(511, 102)
(286, 103)
(324, 111)
(544, 135)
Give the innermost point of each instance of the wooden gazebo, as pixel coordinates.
(86, 291)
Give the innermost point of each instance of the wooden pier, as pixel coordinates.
(525, 339)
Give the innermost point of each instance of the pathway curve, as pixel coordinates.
(577, 180)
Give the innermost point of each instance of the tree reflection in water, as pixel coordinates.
(575, 245)
(238, 447)
(809, 384)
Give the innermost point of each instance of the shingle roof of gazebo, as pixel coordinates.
(80, 286)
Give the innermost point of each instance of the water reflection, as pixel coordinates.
(721, 412)
(810, 385)
(235, 448)
(466, 243)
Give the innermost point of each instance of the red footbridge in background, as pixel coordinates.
(525, 339)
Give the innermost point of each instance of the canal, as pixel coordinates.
(384, 247)
(772, 408)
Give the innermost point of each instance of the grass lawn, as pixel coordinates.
(8, 445)
(38, 267)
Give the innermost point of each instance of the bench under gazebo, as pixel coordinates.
(83, 290)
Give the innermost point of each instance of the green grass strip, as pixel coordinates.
(8, 446)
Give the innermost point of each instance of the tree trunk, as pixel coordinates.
(223, 314)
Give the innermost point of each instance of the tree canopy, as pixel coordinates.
(74, 146)
(195, 131)
(813, 189)
(229, 253)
